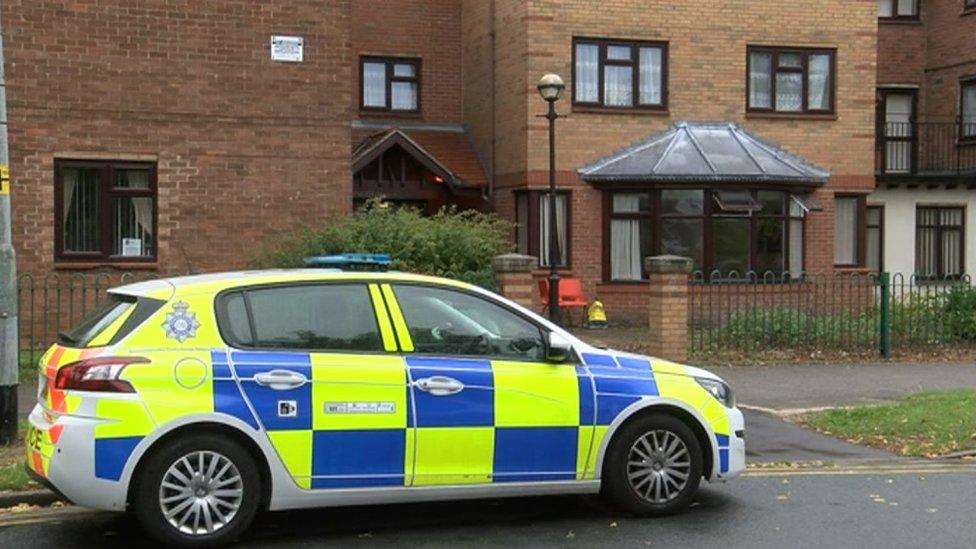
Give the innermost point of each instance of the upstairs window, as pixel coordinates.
(790, 80)
(968, 4)
(967, 109)
(898, 9)
(389, 84)
(105, 212)
(620, 74)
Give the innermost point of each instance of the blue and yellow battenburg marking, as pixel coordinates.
(359, 423)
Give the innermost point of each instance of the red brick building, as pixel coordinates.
(169, 135)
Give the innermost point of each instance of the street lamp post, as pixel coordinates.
(550, 88)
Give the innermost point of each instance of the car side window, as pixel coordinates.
(450, 322)
(323, 317)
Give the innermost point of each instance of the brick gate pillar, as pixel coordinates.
(513, 273)
(668, 306)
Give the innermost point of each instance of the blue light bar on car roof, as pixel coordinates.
(350, 262)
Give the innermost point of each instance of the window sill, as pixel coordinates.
(852, 270)
(585, 109)
(413, 115)
(791, 116)
(116, 265)
(899, 21)
(967, 11)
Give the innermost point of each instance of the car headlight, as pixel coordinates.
(719, 390)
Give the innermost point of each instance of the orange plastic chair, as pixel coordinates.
(570, 294)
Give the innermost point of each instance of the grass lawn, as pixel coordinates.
(12, 473)
(924, 424)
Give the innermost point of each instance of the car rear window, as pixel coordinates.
(325, 317)
(135, 309)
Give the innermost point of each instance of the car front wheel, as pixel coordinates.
(653, 466)
(200, 491)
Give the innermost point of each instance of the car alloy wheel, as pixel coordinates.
(658, 466)
(201, 492)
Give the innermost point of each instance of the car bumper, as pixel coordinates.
(736, 453)
(61, 454)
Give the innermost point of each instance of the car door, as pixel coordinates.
(317, 365)
(488, 407)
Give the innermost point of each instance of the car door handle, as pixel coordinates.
(280, 380)
(439, 385)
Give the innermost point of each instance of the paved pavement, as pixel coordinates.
(813, 385)
(769, 439)
(869, 509)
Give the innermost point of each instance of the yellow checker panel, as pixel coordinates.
(295, 450)
(358, 392)
(453, 455)
(685, 389)
(174, 384)
(127, 418)
(533, 394)
(590, 439)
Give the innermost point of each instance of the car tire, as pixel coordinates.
(645, 462)
(217, 478)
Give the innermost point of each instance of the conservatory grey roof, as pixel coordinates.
(697, 152)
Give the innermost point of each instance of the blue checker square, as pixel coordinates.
(723, 460)
(352, 459)
(609, 406)
(639, 364)
(278, 410)
(111, 454)
(221, 369)
(592, 359)
(472, 407)
(586, 398)
(527, 454)
(229, 400)
(626, 386)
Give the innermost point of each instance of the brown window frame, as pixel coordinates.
(633, 63)
(803, 70)
(963, 84)
(106, 192)
(860, 231)
(868, 226)
(940, 229)
(532, 246)
(389, 63)
(900, 17)
(710, 211)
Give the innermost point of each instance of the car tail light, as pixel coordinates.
(96, 374)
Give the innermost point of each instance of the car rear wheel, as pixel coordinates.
(200, 491)
(653, 466)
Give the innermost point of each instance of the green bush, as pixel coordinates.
(788, 328)
(453, 244)
(959, 315)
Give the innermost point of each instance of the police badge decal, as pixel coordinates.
(181, 324)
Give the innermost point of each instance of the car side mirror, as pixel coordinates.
(559, 348)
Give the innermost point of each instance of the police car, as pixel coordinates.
(198, 401)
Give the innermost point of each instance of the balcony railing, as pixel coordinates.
(926, 149)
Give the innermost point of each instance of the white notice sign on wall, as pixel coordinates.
(287, 48)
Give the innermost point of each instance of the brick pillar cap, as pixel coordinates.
(668, 264)
(514, 263)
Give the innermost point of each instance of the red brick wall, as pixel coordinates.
(428, 29)
(706, 63)
(951, 55)
(246, 148)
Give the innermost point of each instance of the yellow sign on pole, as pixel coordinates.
(4, 179)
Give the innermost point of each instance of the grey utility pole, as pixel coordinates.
(9, 352)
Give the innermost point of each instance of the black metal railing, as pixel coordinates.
(54, 302)
(829, 312)
(926, 148)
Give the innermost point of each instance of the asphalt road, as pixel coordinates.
(881, 509)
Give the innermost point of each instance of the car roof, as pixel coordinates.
(167, 288)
